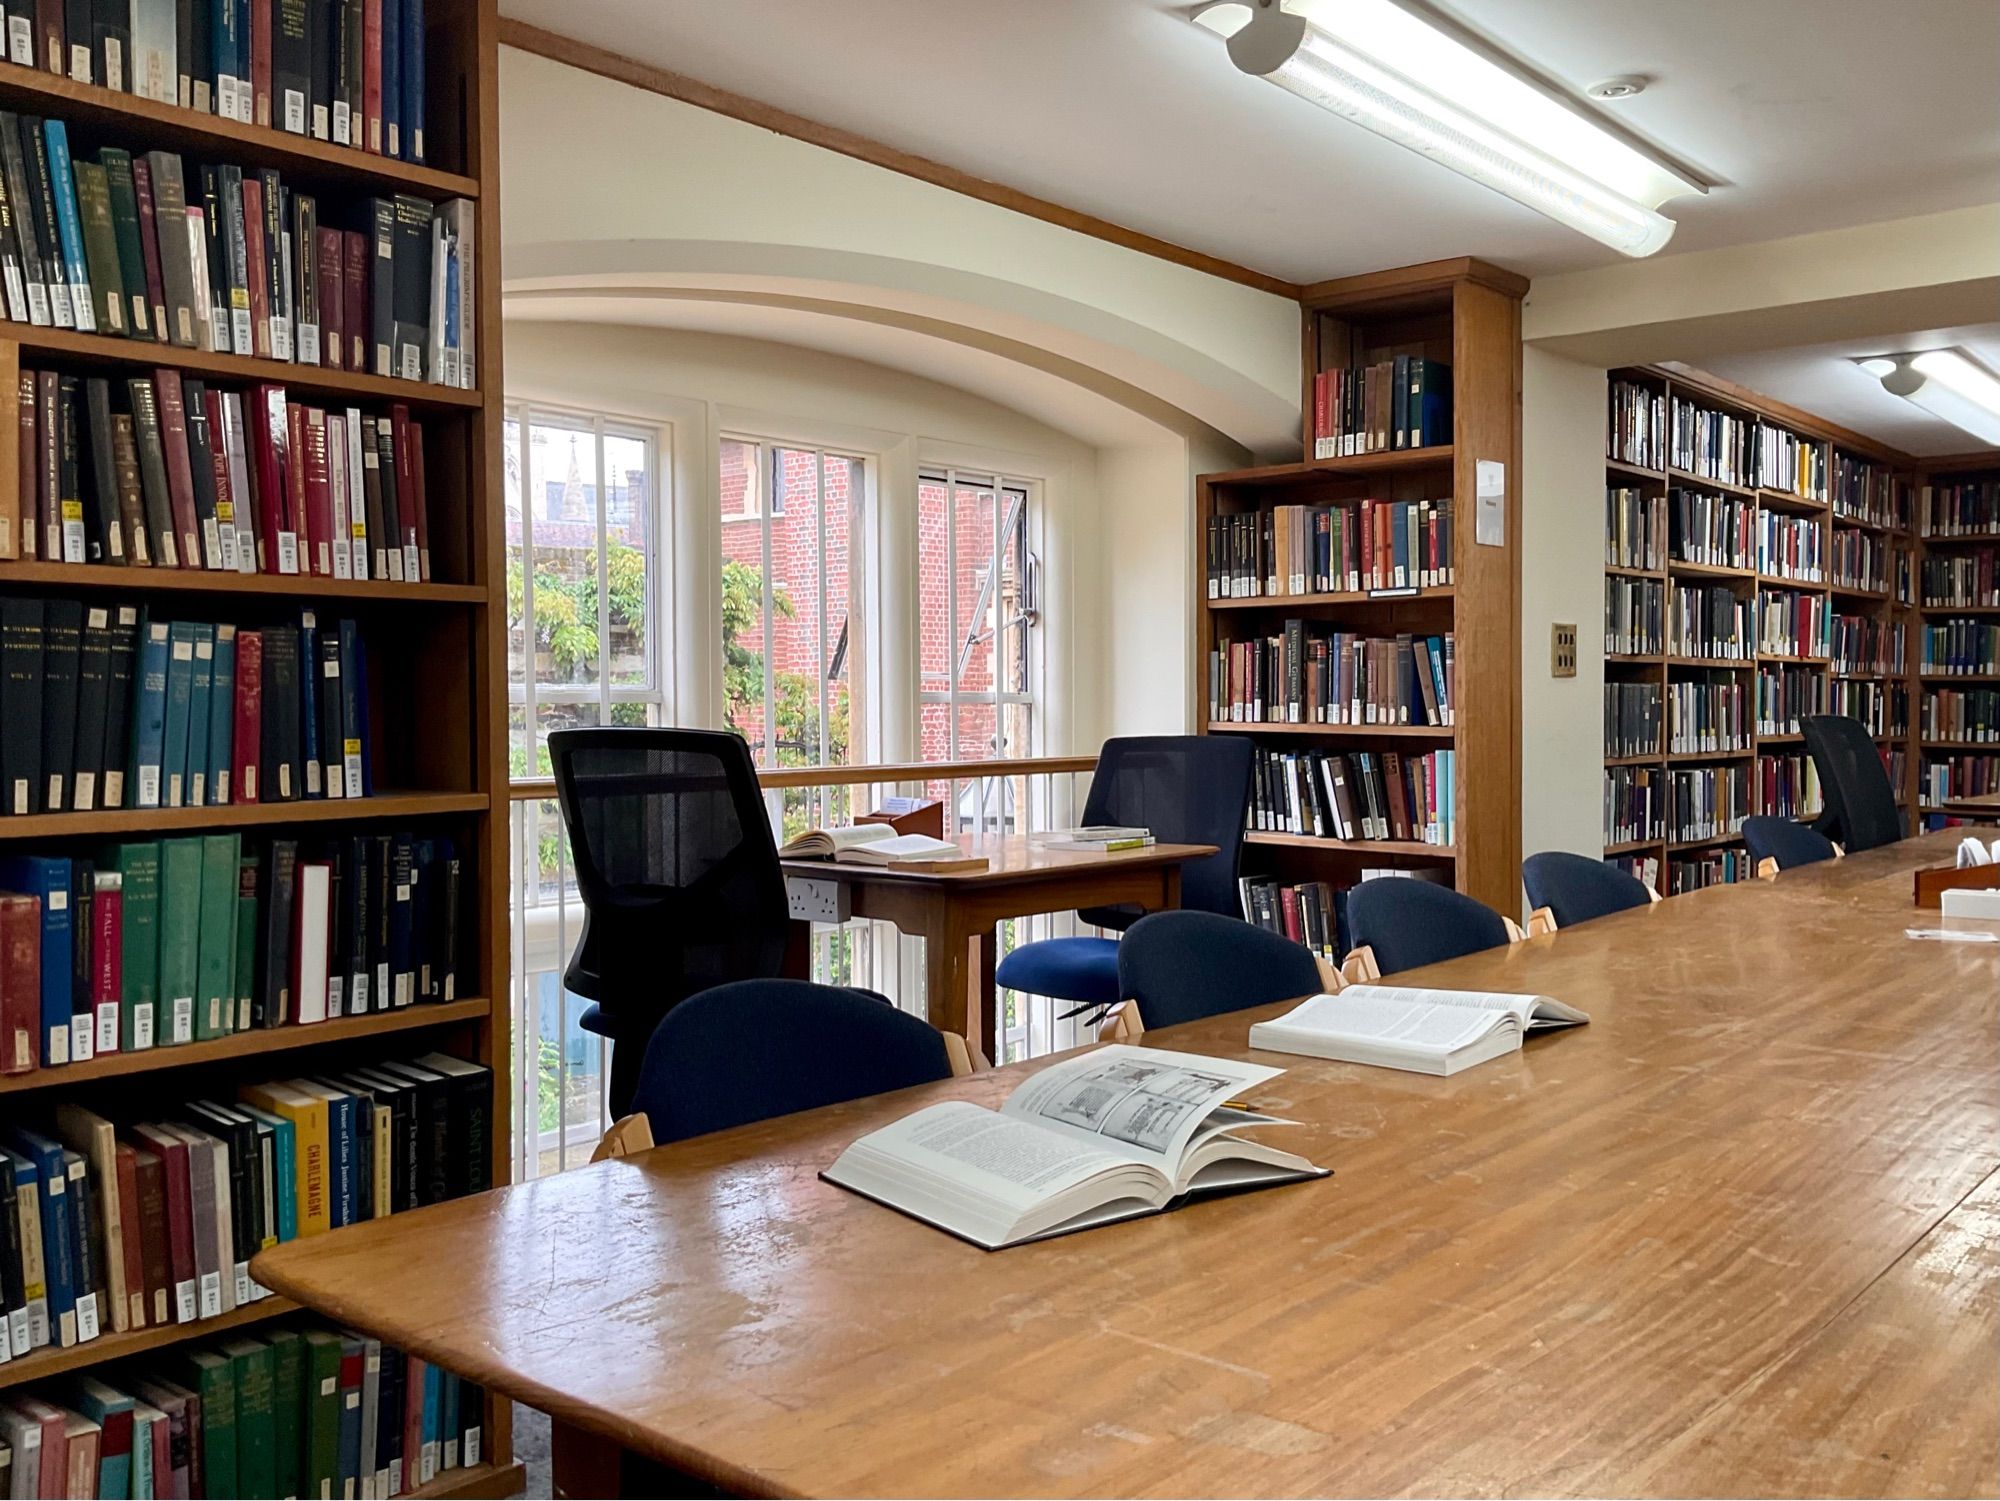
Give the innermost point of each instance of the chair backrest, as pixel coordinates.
(1779, 839)
(675, 862)
(758, 1048)
(1182, 966)
(1576, 888)
(1861, 809)
(1188, 789)
(1410, 923)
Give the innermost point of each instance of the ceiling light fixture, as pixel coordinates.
(1947, 385)
(1383, 67)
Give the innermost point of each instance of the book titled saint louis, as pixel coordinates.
(1111, 1135)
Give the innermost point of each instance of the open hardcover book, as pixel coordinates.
(1110, 1135)
(879, 844)
(1424, 1031)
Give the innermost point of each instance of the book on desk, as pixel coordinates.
(1422, 1031)
(879, 844)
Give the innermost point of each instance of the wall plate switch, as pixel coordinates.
(1562, 651)
(817, 901)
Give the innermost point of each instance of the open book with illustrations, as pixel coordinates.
(1110, 1135)
(1424, 1031)
(879, 844)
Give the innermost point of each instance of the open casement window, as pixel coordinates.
(585, 514)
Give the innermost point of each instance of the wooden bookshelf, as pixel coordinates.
(1885, 514)
(1466, 314)
(438, 701)
(1983, 467)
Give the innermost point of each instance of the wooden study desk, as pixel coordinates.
(1984, 805)
(955, 912)
(1738, 1236)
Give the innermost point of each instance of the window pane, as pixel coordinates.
(797, 641)
(842, 484)
(972, 569)
(517, 650)
(628, 526)
(742, 488)
(562, 496)
(1011, 662)
(561, 717)
(933, 627)
(742, 593)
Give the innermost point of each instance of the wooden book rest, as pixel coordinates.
(1934, 883)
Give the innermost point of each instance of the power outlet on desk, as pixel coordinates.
(817, 901)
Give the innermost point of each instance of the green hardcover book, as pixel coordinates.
(100, 248)
(256, 1436)
(212, 1377)
(139, 998)
(288, 1396)
(131, 251)
(180, 935)
(215, 967)
(321, 1440)
(246, 939)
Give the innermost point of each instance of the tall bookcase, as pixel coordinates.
(1464, 314)
(1979, 750)
(1864, 523)
(438, 671)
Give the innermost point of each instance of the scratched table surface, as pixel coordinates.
(1738, 1236)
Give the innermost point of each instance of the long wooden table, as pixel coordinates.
(1738, 1236)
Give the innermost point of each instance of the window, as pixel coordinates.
(790, 587)
(583, 566)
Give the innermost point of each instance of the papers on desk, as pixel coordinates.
(1953, 935)
(1423, 1031)
(1114, 1134)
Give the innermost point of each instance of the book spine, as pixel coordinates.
(247, 746)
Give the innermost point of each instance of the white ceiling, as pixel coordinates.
(1809, 114)
(1824, 380)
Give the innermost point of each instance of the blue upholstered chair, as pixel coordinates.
(1182, 966)
(758, 1048)
(1187, 789)
(1861, 809)
(1784, 844)
(1575, 888)
(1398, 924)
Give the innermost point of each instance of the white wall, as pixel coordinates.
(1562, 579)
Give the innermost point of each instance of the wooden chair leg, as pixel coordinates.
(1767, 868)
(1360, 967)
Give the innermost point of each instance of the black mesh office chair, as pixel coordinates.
(1861, 810)
(678, 873)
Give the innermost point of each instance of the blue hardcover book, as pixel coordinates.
(359, 680)
(448, 1421)
(451, 338)
(69, 222)
(201, 682)
(283, 1167)
(149, 711)
(402, 912)
(392, 77)
(142, 1453)
(344, 1170)
(222, 715)
(28, 1325)
(1399, 527)
(433, 1414)
(180, 695)
(412, 67)
(309, 701)
(58, 1254)
(1436, 653)
(222, 47)
(351, 752)
(103, 1405)
(48, 878)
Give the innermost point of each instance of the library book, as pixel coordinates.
(1423, 1031)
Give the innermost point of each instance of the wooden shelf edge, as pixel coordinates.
(1386, 596)
(1351, 846)
(50, 93)
(149, 821)
(1433, 456)
(481, 1482)
(214, 581)
(1633, 846)
(1335, 731)
(50, 1361)
(254, 1043)
(1634, 471)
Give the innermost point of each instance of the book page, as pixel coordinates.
(901, 846)
(996, 1156)
(832, 841)
(1532, 1010)
(1145, 1103)
(1413, 1018)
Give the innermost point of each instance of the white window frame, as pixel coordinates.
(1022, 512)
(529, 694)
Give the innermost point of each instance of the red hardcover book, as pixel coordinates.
(253, 252)
(128, 1216)
(295, 485)
(411, 463)
(1367, 530)
(149, 250)
(180, 475)
(150, 1182)
(173, 1155)
(1288, 912)
(20, 984)
(226, 518)
(413, 1416)
(261, 18)
(115, 1441)
(269, 437)
(30, 467)
(49, 26)
(371, 74)
(107, 963)
(332, 286)
(354, 296)
(318, 496)
(247, 748)
(53, 1422)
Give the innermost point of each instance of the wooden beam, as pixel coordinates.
(1410, 281)
(671, 85)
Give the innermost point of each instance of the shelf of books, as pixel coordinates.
(1358, 623)
(1760, 567)
(252, 710)
(1957, 592)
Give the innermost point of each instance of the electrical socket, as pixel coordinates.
(817, 901)
(1562, 651)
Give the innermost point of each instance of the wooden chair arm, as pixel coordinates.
(1767, 868)
(1654, 894)
(1124, 1024)
(1360, 967)
(1514, 933)
(631, 1133)
(1331, 980)
(1542, 920)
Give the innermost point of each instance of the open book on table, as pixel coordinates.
(879, 844)
(1424, 1031)
(1110, 1135)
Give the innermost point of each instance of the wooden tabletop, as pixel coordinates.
(1009, 859)
(1738, 1236)
(1981, 803)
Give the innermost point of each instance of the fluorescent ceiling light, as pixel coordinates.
(1947, 385)
(1378, 65)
